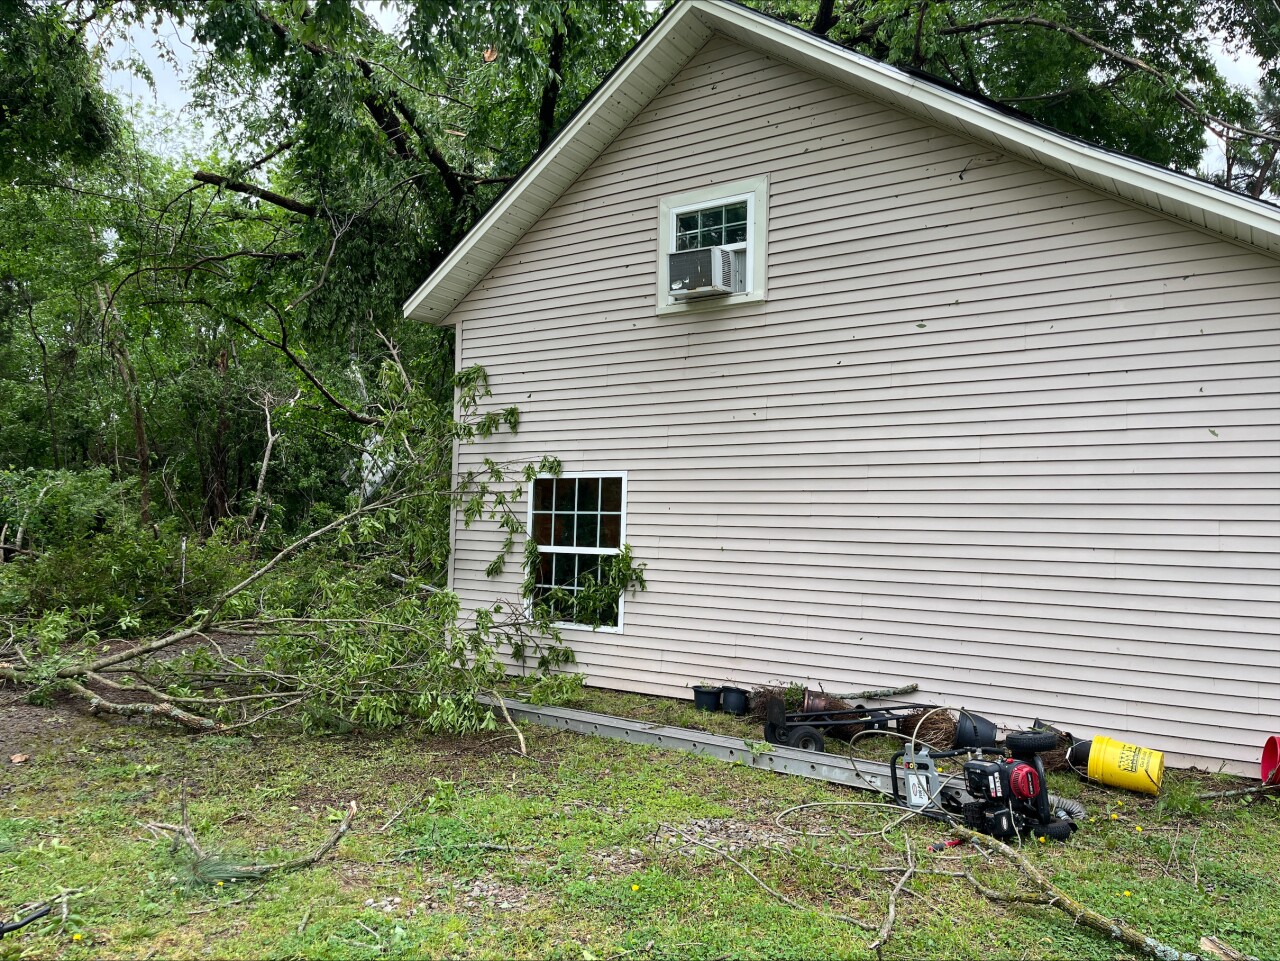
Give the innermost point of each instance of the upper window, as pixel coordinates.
(577, 521)
(722, 225)
(730, 217)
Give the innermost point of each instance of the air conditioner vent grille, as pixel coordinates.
(706, 272)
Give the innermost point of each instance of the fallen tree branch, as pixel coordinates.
(1080, 913)
(886, 928)
(181, 834)
(880, 694)
(1241, 792)
(100, 705)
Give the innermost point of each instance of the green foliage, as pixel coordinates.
(793, 696)
(1073, 65)
(52, 105)
(556, 689)
(1179, 798)
(213, 869)
(91, 562)
(595, 601)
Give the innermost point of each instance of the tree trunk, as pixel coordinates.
(551, 92)
(54, 443)
(217, 500)
(134, 397)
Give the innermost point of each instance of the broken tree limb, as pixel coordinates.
(270, 196)
(1080, 913)
(1273, 789)
(1216, 948)
(100, 705)
(524, 749)
(879, 694)
(309, 859)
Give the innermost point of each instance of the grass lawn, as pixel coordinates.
(462, 849)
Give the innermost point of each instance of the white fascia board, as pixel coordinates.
(611, 108)
(1245, 220)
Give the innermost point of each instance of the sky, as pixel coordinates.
(171, 94)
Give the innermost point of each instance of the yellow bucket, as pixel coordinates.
(1126, 765)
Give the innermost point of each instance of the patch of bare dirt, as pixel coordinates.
(32, 730)
(728, 834)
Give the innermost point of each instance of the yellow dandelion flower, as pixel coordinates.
(1114, 817)
(1042, 840)
(1119, 804)
(76, 937)
(1138, 828)
(635, 887)
(220, 883)
(1126, 894)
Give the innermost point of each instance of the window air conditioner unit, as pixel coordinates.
(706, 272)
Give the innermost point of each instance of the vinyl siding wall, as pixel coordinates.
(992, 432)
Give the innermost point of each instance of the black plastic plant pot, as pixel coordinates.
(706, 698)
(734, 700)
(1078, 756)
(974, 731)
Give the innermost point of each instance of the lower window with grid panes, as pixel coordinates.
(577, 522)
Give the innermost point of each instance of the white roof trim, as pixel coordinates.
(687, 26)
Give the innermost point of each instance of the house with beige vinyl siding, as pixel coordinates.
(955, 399)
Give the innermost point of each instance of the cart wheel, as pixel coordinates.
(806, 738)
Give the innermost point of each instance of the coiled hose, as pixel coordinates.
(1067, 808)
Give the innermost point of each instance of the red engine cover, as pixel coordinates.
(1024, 782)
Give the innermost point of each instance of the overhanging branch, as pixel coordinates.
(269, 196)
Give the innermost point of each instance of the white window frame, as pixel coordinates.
(601, 551)
(755, 191)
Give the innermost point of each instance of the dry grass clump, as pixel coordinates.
(937, 729)
(1056, 760)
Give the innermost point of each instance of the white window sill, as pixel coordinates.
(703, 304)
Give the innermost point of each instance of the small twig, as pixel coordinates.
(776, 893)
(302, 925)
(226, 904)
(886, 928)
(477, 845)
(183, 833)
(395, 817)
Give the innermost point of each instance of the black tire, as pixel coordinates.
(806, 738)
(1027, 744)
(1058, 830)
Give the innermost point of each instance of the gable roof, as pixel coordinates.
(689, 24)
